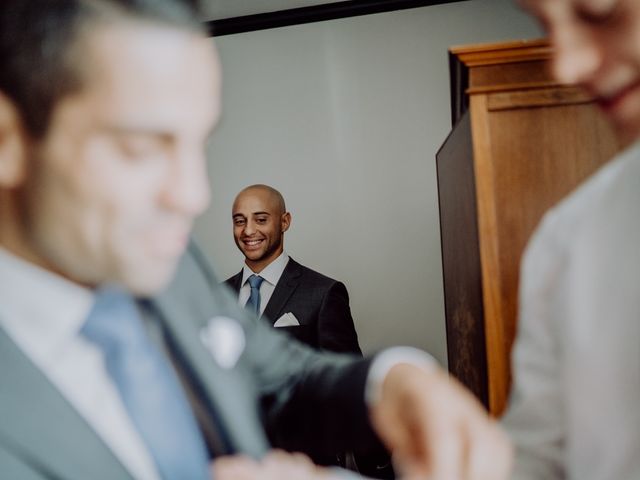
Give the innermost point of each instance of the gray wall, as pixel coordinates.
(344, 118)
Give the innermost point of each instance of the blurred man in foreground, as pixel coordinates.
(575, 404)
(108, 368)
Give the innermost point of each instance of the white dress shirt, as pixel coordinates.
(43, 314)
(271, 275)
(382, 363)
(575, 405)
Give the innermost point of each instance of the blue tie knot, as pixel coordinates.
(255, 281)
(113, 322)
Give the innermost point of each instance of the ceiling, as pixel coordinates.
(218, 9)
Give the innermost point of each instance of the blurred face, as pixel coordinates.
(597, 45)
(112, 190)
(259, 223)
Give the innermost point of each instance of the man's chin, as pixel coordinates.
(254, 256)
(150, 281)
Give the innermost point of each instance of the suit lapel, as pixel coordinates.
(41, 427)
(185, 308)
(235, 282)
(286, 286)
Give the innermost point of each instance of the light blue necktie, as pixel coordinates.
(148, 387)
(253, 303)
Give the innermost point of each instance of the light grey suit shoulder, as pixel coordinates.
(274, 382)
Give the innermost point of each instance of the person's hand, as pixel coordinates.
(277, 465)
(436, 429)
(229, 467)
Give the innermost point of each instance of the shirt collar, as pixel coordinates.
(39, 309)
(271, 272)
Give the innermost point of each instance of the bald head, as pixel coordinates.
(270, 194)
(259, 222)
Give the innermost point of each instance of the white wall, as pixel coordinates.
(344, 117)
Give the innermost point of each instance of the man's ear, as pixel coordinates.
(285, 221)
(12, 145)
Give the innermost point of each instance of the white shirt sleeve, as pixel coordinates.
(386, 360)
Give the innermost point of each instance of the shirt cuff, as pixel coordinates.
(338, 473)
(385, 361)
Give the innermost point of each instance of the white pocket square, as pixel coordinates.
(224, 338)
(287, 320)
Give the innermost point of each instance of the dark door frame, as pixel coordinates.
(316, 13)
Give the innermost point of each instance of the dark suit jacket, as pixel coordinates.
(315, 400)
(320, 303)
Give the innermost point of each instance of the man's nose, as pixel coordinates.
(249, 228)
(187, 186)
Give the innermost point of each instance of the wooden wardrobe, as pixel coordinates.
(519, 144)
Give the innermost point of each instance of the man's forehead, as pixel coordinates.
(591, 6)
(150, 77)
(257, 200)
(144, 46)
(257, 212)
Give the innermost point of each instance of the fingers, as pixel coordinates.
(456, 457)
(491, 454)
(437, 430)
(465, 442)
(276, 465)
(237, 467)
(447, 455)
(291, 463)
(440, 432)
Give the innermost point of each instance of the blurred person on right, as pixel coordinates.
(575, 405)
(120, 357)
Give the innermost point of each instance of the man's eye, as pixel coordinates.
(238, 223)
(601, 14)
(136, 148)
(261, 220)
